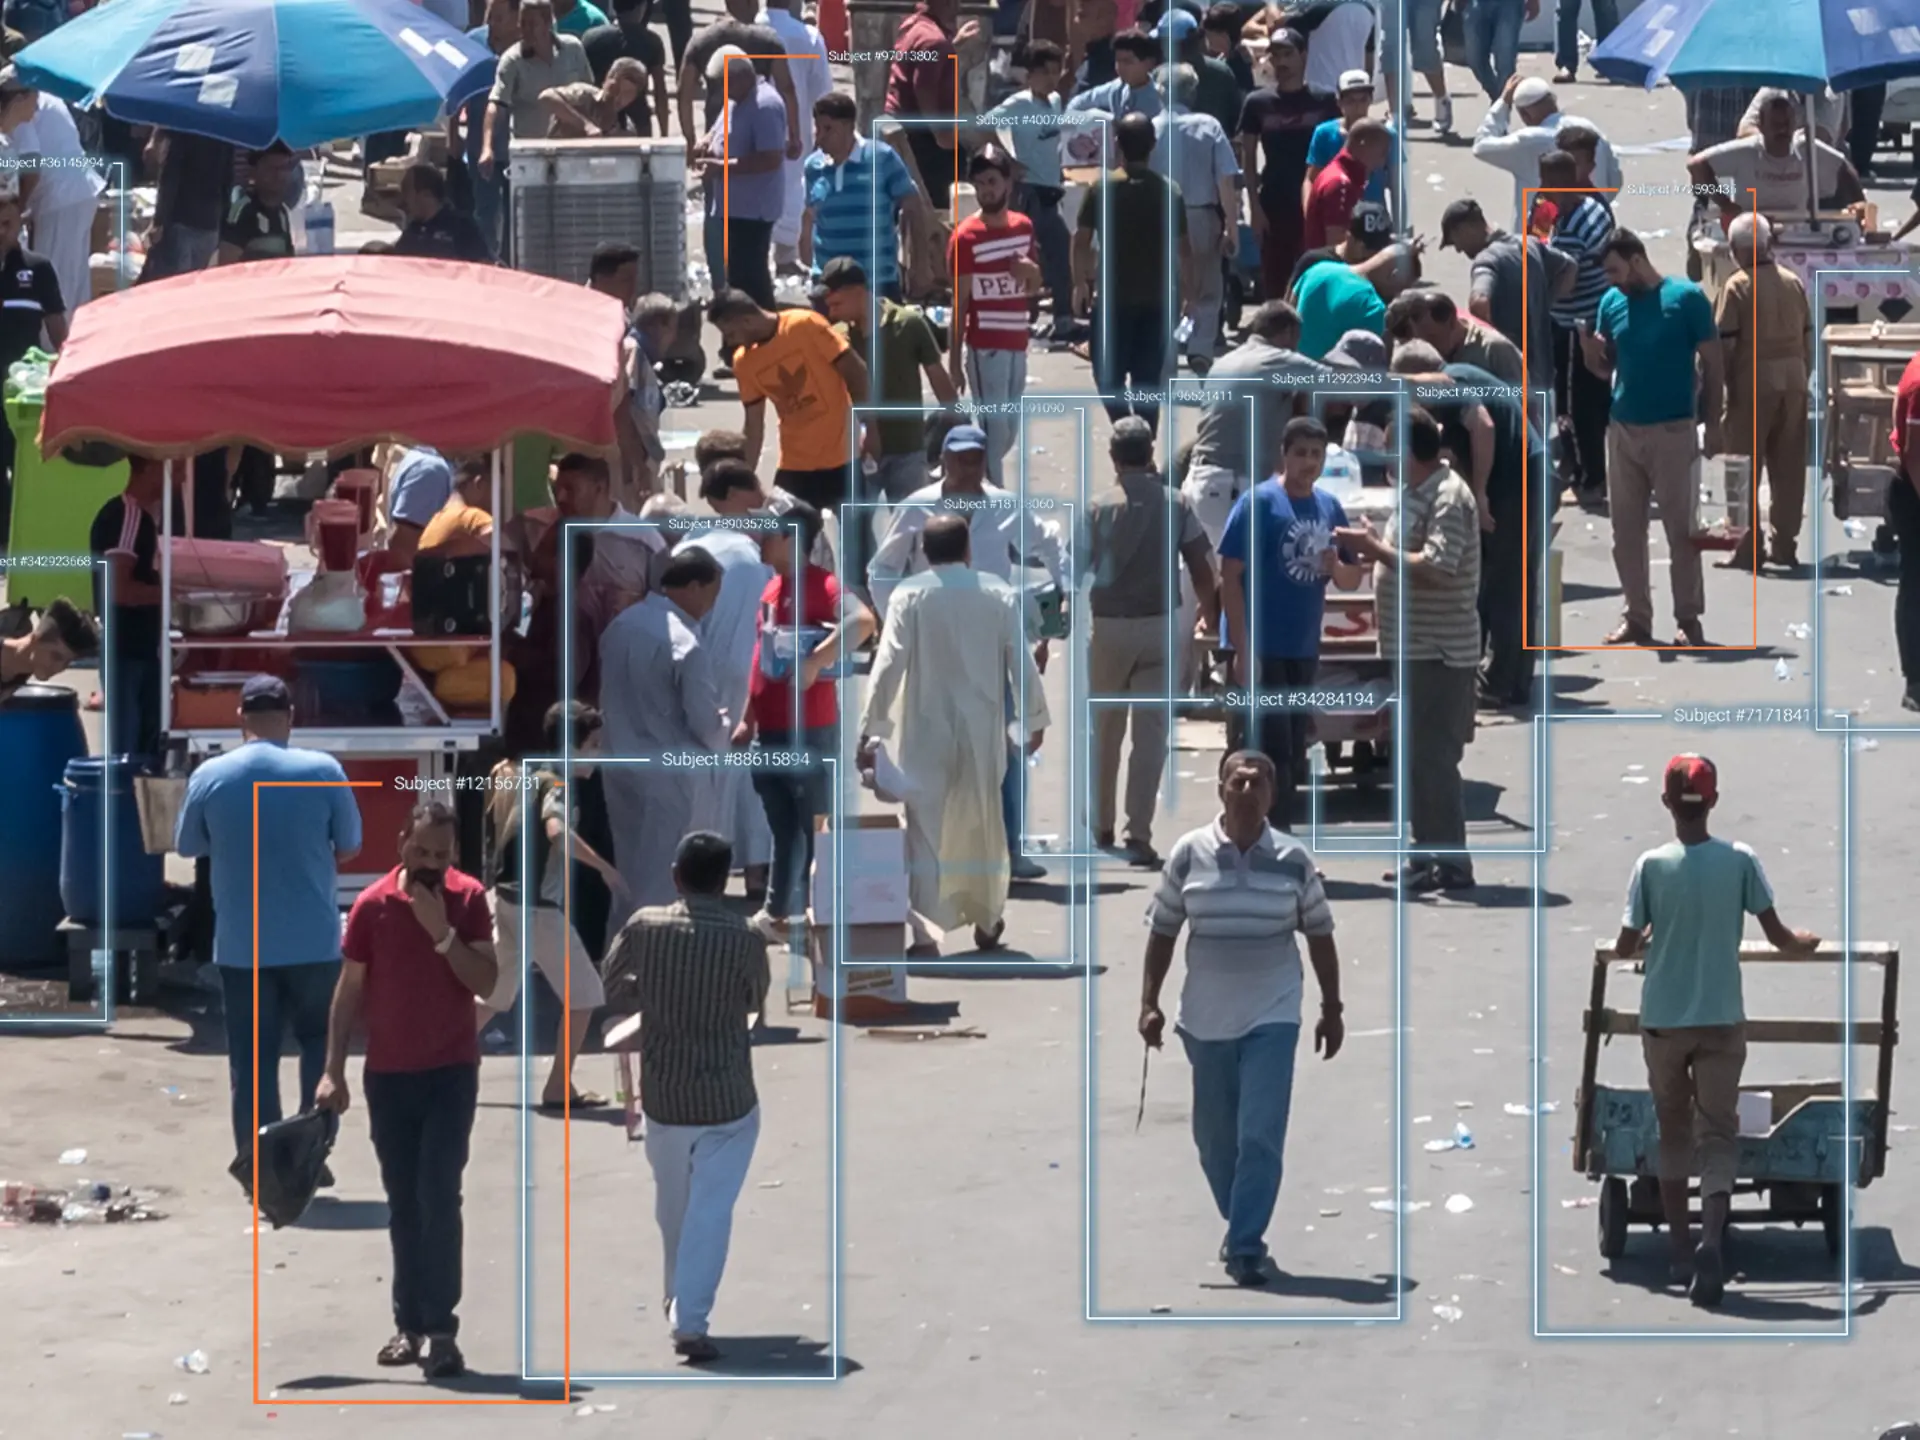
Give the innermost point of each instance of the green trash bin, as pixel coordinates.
(54, 502)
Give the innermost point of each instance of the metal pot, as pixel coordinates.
(214, 612)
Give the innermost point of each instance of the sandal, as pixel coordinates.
(581, 1100)
(402, 1349)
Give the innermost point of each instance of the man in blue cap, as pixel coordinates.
(1000, 546)
(270, 798)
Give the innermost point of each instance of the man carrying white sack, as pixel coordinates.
(953, 648)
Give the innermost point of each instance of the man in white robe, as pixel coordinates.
(953, 648)
(661, 700)
(729, 634)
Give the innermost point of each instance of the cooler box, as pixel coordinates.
(874, 891)
(54, 502)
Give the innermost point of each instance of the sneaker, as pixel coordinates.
(1564, 75)
(1246, 1271)
(402, 1349)
(442, 1359)
(769, 927)
(1025, 869)
(1141, 855)
(695, 1349)
(1443, 114)
(1911, 700)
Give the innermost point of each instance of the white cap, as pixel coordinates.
(1530, 92)
(1355, 80)
(717, 65)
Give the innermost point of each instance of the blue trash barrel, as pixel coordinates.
(139, 879)
(40, 732)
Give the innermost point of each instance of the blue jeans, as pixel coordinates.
(1493, 41)
(1566, 38)
(792, 798)
(1242, 1094)
(300, 994)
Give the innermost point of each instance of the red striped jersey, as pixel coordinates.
(982, 256)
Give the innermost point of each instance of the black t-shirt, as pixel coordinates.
(29, 294)
(195, 179)
(262, 232)
(1512, 434)
(1284, 120)
(1236, 60)
(754, 39)
(136, 628)
(449, 235)
(632, 41)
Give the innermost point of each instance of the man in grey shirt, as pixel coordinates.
(1133, 528)
(1194, 152)
(1513, 287)
(541, 60)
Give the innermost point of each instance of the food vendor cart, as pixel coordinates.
(1861, 365)
(327, 356)
(1837, 243)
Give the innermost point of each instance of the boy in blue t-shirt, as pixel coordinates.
(1687, 905)
(1355, 100)
(1278, 545)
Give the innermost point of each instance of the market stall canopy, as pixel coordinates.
(327, 353)
(1803, 45)
(254, 71)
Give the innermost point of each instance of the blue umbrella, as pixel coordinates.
(1804, 45)
(254, 71)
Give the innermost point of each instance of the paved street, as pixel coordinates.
(1007, 1251)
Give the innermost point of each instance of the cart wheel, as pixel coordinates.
(1833, 1217)
(1613, 1218)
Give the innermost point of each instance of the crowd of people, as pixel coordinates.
(1240, 256)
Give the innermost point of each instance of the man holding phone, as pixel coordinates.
(418, 952)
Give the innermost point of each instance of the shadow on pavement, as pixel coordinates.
(785, 1356)
(1341, 1289)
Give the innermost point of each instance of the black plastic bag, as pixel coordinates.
(292, 1154)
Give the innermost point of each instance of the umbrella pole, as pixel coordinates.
(1813, 161)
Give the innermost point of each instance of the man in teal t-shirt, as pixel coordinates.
(1687, 907)
(1348, 287)
(1648, 333)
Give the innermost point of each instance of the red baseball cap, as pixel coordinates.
(1692, 778)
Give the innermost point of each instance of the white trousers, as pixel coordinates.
(65, 236)
(558, 953)
(786, 230)
(698, 1172)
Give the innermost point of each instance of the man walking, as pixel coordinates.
(1132, 529)
(697, 976)
(1580, 232)
(1242, 890)
(1276, 556)
(1687, 904)
(1651, 330)
(1276, 132)
(1517, 149)
(285, 959)
(1766, 333)
(995, 277)
(951, 654)
(1194, 151)
(1439, 653)
(743, 155)
(419, 952)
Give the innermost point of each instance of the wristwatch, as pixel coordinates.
(446, 944)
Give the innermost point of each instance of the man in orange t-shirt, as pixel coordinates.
(814, 378)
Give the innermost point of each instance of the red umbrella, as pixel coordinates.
(331, 353)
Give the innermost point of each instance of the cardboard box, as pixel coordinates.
(874, 890)
(871, 984)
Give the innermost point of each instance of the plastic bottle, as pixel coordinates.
(319, 227)
(1462, 1136)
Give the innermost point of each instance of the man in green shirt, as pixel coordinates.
(1687, 905)
(1133, 342)
(901, 351)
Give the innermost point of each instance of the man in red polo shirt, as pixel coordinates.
(994, 281)
(920, 89)
(1903, 513)
(418, 951)
(1343, 184)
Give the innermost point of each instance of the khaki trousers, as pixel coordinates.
(1782, 446)
(1647, 465)
(1129, 657)
(1694, 1074)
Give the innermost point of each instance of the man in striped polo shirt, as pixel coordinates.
(862, 202)
(1242, 889)
(697, 975)
(994, 280)
(1439, 652)
(1580, 231)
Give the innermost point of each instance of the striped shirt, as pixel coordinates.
(1241, 909)
(695, 972)
(856, 208)
(1581, 233)
(1443, 607)
(983, 256)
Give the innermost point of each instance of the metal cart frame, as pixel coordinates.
(1799, 1166)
